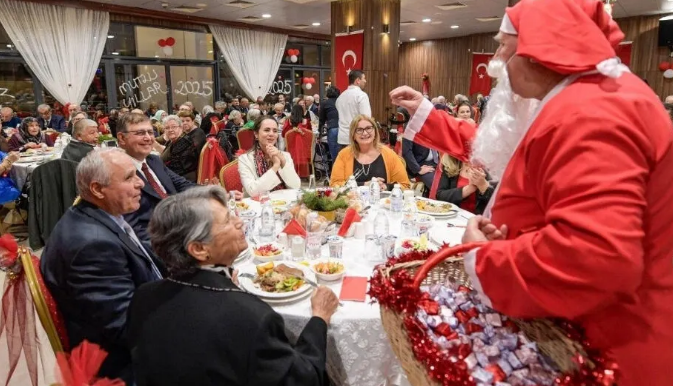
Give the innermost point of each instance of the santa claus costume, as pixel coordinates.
(586, 194)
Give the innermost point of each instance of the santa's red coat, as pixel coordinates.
(588, 200)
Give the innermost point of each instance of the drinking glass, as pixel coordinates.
(311, 183)
(313, 244)
(388, 246)
(372, 248)
(336, 244)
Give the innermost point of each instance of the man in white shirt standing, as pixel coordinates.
(350, 104)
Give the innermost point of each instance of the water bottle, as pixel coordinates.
(374, 192)
(381, 225)
(352, 184)
(396, 199)
(268, 223)
(409, 211)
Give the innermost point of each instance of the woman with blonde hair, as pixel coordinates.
(367, 159)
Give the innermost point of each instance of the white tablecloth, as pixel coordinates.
(21, 170)
(358, 351)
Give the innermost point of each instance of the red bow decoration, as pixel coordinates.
(79, 368)
(170, 42)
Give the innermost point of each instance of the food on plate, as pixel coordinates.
(300, 212)
(433, 206)
(278, 202)
(278, 278)
(267, 250)
(242, 205)
(279, 209)
(328, 267)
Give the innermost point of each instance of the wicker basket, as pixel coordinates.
(446, 264)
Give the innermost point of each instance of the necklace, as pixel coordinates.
(205, 287)
(366, 172)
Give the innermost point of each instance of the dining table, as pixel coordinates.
(358, 350)
(28, 162)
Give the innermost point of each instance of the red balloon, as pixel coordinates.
(162, 43)
(305, 80)
(663, 66)
(311, 80)
(170, 42)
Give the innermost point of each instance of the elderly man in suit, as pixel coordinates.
(94, 262)
(47, 120)
(85, 140)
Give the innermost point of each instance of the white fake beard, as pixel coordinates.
(505, 123)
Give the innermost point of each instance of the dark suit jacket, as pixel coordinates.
(415, 156)
(448, 191)
(76, 150)
(92, 268)
(173, 183)
(56, 122)
(186, 336)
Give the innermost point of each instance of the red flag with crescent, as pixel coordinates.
(480, 82)
(348, 50)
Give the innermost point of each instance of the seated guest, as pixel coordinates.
(464, 111)
(93, 261)
(178, 154)
(198, 327)
(233, 106)
(297, 121)
(76, 117)
(85, 139)
(227, 137)
(29, 136)
(197, 138)
(287, 107)
(136, 136)
(157, 120)
(463, 185)
(221, 108)
(264, 167)
(244, 106)
(421, 161)
(279, 113)
(366, 158)
(9, 120)
(47, 120)
(252, 116)
(8, 190)
(211, 119)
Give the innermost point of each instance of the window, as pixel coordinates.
(326, 55)
(229, 87)
(140, 85)
(302, 55)
(121, 40)
(173, 44)
(16, 88)
(306, 82)
(6, 44)
(194, 84)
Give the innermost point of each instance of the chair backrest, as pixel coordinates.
(230, 179)
(51, 319)
(245, 138)
(300, 143)
(211, 160)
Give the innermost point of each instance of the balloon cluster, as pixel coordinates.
(292, 55)
(167, 45)
(307, 83)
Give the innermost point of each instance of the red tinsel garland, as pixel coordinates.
(397, 293)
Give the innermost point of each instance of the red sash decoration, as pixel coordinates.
(348, 49)
(480, 82)
(299, 143)
(212, 160)
(79, 368)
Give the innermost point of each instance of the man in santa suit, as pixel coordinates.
(581, 224)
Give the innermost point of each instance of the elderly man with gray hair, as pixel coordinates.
(47, 120)
(85, 139)
(93, 262)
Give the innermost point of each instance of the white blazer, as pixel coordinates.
(254, 184)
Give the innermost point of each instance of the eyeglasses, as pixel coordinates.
(142, 133)
(362, 130)
(170, 128)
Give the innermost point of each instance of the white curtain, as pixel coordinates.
(253, 57)
(61, 45)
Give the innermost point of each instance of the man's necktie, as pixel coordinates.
(129, 231)
(153, 183)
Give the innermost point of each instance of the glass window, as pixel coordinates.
(311, 57)
(306, 82)
(140, 85)
(16, 88)
(194, 84)
(229, 87)
(282, 84)
(96, 96)
(6, 44)
(173, 44)
(326, 54)
(121, 40)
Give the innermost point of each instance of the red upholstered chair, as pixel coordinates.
(230, 179)
(212, 159)
(216, 125)
(53, 135)
(399, 117)
(246, 139)
(299, 143)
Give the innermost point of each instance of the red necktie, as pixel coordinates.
(153, 183)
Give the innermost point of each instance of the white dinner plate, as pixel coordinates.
(251, 287)
(451, 213)
(29, 160)
(284, 301)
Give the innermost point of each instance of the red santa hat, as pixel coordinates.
(566, 36)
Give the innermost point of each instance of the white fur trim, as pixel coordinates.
(612, 68)
(418, 119)
(507, 27)
(470, 262)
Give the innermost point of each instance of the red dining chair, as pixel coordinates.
(211, 160)
(246, 139)
(299, 143)
(230, 179)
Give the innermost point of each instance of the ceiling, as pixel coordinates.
(290, 13)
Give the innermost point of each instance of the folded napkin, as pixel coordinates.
(350, 218)
(354, 289)
(293, 228)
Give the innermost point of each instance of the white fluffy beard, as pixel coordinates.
(505, 123)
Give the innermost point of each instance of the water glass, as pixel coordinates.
(311, 183)
(336, 244)
(313, 244)
(372, 248)
(248, 217)
(297, 249)
(423, 225)
(388, 246)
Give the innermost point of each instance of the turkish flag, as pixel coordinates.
(623, 51)
(480, 82)
(348, 50)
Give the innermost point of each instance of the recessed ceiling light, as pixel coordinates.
(455, 26)
(210, 52)
(115, 53)
(266, 15)
(669, 17)
(426, 20)
(110, 36)
(9, 46)
(412, 39)
(156, 56)
(315, 24)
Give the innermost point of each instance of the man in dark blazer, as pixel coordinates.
(47, 120)
(421, 161)
(85, 139)
(136, 136)
(93, 261)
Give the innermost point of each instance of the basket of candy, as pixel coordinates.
(443, 334)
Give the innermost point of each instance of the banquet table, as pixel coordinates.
(358, 351)
(25, 166)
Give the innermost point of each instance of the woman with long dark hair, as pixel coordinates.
(297, 121)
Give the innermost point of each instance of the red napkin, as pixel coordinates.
(293, 228)
(354, 289)
(351, 217)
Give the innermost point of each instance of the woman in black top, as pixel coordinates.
(329, 117)
(463, 185)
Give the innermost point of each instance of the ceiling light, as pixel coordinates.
(266, 15)
(110, 36)
(9, 46)
(669, 17)
(210, 52)
(115, 53)
(426, 20)
(156, 56)
(455, 26)
(412, 39)
(315, 24)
